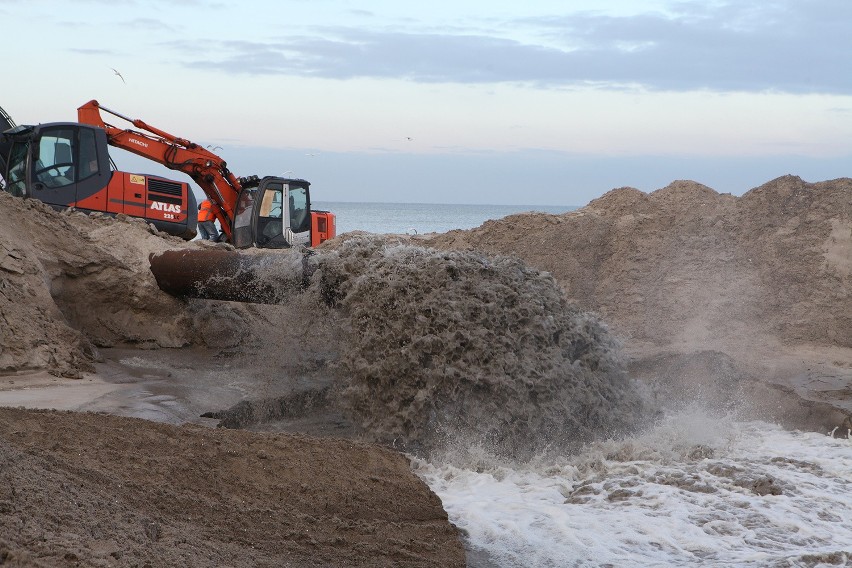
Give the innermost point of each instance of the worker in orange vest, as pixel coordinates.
(206, 221)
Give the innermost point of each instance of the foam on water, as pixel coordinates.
(695, 490)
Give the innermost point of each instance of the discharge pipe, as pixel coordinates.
(223, 274)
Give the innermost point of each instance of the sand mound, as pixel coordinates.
(73, 282)
(687, 266)
(94, 490)
(68, 285)
(762, 281)
(458, 343)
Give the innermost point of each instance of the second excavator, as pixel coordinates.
(67, 164)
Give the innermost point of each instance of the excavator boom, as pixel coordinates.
(207, 169)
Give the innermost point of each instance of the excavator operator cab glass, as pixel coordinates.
(270, 220)
(241, 236)
(54, 164)
(16, 181)
(300, 214)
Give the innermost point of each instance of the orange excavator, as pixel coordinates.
(67, 164)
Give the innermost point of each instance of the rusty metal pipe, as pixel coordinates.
(222, 274)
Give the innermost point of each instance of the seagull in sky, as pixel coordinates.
(213, 148)
(120, 76)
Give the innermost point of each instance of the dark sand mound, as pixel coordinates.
(95, 490)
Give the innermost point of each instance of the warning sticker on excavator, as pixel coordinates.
(137, 179)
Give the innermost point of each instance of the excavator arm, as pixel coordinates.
(207, 169)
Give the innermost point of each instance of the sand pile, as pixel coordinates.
(687, 265)
(71, 283)
(708, 291)
(95, 490)
(447, 344)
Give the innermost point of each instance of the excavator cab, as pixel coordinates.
(67, 164)
(58, 163)
(275, 212)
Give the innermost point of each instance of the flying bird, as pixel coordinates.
(120, 76)
(213, 148)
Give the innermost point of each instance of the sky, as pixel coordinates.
(494, 102)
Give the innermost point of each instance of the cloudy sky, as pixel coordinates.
(547, 102)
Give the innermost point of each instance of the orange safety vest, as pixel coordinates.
(205, 211)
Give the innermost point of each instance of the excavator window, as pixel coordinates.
(54, 165)
(271, 206)
(56, 157)
(16, 177)
(88, 155)
(242, 235)
(300, 220)
(270, 221)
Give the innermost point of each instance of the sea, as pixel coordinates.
(697, 488)
(421, 218)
